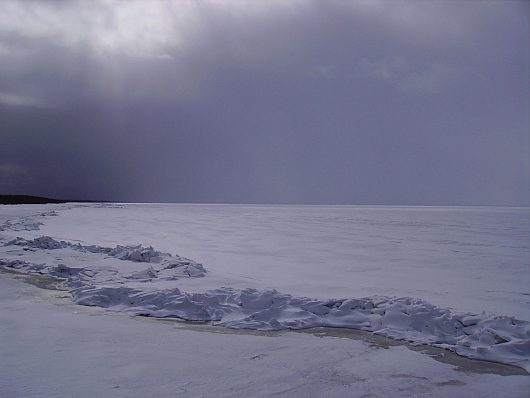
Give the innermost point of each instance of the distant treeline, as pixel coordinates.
(27, 199)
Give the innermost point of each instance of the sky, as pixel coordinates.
(302, 102)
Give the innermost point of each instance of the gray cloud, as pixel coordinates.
(298, 102)
(421, 79)
(20, 100)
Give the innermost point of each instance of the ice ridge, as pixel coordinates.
(161, 262)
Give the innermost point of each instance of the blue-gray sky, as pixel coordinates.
(329, 102)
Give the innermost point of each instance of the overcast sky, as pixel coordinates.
(315, 102)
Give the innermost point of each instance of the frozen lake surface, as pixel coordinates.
(469, 259)
(455, 278)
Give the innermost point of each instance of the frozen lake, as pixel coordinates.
(466, 258)
(450, 277)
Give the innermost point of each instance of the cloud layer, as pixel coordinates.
(284, 102)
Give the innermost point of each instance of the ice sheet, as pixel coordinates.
(144, 280)
(468, 259)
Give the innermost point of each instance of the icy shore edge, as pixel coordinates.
(495, 338)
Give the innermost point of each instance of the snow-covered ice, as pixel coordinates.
(469, 259)
(50, 347)
(455, 278)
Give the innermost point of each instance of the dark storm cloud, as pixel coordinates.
(293, 102)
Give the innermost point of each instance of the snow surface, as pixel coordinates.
(52, 348)
(468, 259)
(141, 280)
